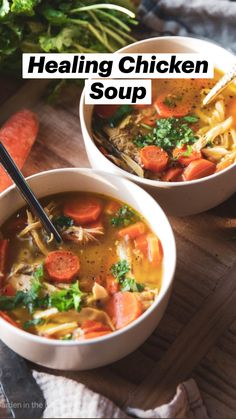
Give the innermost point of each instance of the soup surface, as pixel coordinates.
(106, 273)
(174, 139)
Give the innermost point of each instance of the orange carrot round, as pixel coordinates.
(18, 135)
(198, 169)
(172, 174)
(169, 105)
(62, 265)
(154, 158)
(123, 308)
(179, 153)
(133, 231)
(83, 211)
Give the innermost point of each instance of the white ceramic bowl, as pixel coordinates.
(176, 198)
(101, 351)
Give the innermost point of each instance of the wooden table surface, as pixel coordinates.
(197, 335)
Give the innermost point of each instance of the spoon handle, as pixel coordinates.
(220, 85)
(17, 177)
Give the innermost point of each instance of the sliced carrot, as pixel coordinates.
(105, 111)
(4, 247)
(154, 158)
(112, 207)
(169, 105)
(123, 308)
(62, 265)
(18, 135)
(112, 285)
(141, 244)
(180, 154)
(9, 290)
(198, 169)
(83, 211)
(133, 231)
(172, 174)
(9, 319)
(231, 110)
(155, 251)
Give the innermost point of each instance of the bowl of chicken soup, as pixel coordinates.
(99, 294)
(183, 154)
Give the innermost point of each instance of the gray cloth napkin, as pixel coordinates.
(211, 19)
(66, 398)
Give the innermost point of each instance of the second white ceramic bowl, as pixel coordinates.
(176, 198)
(93, 353)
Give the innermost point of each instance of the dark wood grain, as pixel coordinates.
(197, 335)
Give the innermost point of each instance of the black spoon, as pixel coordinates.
(19, 180)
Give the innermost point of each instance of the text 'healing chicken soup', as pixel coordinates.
(174, 139)
(105, 275)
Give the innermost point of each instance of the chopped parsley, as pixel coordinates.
(124, 216)
(62, 221)
(169, 133)
(66, 299)
(119, 271)
(63, 300)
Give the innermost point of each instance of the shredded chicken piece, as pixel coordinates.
(80, 234)
(35, 234)
(99, 292)
(52, 329)
(45, 314)
(213, 133)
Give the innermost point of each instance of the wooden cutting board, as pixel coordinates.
(197, 335)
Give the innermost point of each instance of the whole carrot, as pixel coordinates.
(18, 135)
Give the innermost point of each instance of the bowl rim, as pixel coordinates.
(131, 176)
(56, 342)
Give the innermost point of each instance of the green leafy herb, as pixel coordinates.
(119, 271)
(129, 284)
(120, 114)
(63, 300)
(62, 221)
(169, 133)
(192, 119)
(33, 322)
(61, 26)
(188, 152)
(124, 217)
(67, 299)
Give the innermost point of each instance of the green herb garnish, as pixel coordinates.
(169, 133)
(124, 217)
(66, 299)
(62, 221)
(129, 284)
(119, 271)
